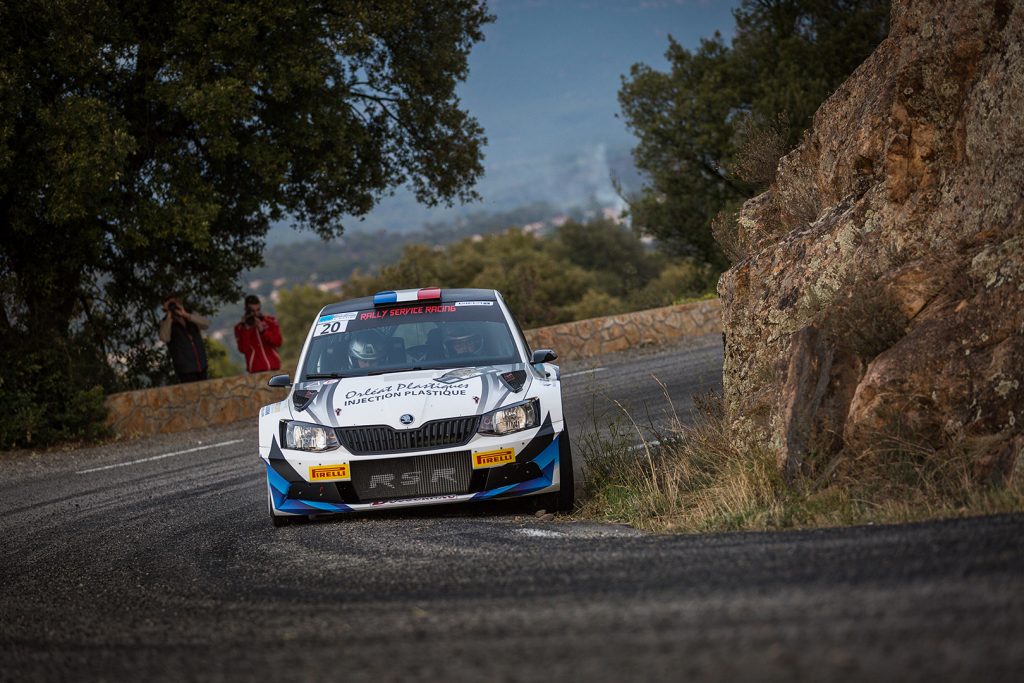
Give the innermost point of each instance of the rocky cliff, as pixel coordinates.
(882, 289)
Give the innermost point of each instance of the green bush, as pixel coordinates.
(48, 395)
(683, 279)
(595, 304)
(218, 360)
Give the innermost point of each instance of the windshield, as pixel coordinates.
(420, 336)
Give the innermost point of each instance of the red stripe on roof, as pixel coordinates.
(429, 293)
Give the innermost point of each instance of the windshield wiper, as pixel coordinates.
(390, 370)
(326, 375)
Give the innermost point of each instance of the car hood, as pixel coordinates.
(422, 395)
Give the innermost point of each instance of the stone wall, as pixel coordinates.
(195, 405)
(180, 407)
(598, 336)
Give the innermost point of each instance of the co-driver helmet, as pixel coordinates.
(462, 340)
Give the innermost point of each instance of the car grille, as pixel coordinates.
(412, 477)
(383, 439)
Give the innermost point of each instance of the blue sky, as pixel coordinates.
(544, 86)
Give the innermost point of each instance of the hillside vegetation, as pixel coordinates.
(578, 270)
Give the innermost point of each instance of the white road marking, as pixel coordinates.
(540, 533)
(160, 457)
(584, 372)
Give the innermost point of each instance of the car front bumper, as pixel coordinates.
(291, 476)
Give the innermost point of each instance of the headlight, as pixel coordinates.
(304, 436)
(514, 418)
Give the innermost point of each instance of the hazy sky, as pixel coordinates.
(544, 85)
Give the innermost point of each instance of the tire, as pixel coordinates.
(565, 499)
(278, 520)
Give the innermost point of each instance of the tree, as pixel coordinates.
(787, 56)
(625, 264)
(220, 362)
(147, 146)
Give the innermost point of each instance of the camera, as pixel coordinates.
(172, 307)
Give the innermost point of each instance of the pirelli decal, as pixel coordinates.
(493, 458)
(330, 473)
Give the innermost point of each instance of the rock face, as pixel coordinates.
(884, 285)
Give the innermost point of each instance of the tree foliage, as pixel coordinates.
(146, 147)
(220, 363)
(693, 121)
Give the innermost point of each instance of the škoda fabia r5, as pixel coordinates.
(415, 397)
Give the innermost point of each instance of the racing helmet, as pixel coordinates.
(462, 340)
(365, 348)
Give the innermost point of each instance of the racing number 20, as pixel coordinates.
(331, 327)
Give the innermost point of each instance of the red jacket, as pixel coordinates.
(259, 348)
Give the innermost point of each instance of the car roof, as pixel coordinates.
(447, 296)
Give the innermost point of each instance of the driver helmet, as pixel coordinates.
(462, 340)
(365, 351)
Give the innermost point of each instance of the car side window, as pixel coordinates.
(331, 357)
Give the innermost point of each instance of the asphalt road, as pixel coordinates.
(648, 387)
(154, 559)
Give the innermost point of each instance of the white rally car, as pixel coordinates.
(415, 397)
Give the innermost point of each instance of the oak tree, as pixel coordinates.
(147, 146)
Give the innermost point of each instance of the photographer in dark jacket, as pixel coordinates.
(179, 329)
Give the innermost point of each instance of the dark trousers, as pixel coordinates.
(191, 376)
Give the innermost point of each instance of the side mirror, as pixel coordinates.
(543, 356)
(279, 381)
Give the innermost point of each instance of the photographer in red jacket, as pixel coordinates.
(258, 337)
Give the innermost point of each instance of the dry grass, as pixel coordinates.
(688, 478)
(864, 317)
(695, 480)
(725, 228)
(761, 145)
